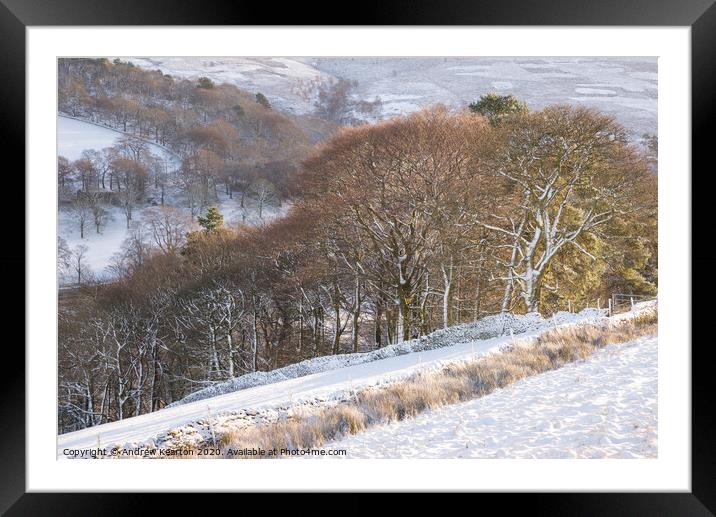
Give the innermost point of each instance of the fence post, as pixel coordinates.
(609, 310)
(599, 303)
(569, 305)
(631, 299)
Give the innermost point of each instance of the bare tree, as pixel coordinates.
(133, 176)
(265, 195)
(64, 256)
(215, 312)
(135, 250)
(65, 171)
(168, 227)
(99, 214)
(572, 172)
(81, 211)
(79, 263)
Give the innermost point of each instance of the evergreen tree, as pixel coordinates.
(261, 99)
(205, 83)
(212, 221)
(494, 107)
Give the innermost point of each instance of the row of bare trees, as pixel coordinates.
(400, 228)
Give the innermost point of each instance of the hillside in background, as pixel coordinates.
(142, 153)
(376, 88)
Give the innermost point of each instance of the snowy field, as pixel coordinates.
(603, 407)
(74, 136)
(313, 389)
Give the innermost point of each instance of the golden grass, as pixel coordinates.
(455, 383)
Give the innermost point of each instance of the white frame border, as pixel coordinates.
(670, 472)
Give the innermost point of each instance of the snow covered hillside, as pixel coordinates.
(192, 419)
(75, 136)
(288, 83)
(603, 407)
(624, 87)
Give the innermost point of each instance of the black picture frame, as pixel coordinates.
(700, 15)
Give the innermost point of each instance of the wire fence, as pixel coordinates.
(615, 304)
(620, 302)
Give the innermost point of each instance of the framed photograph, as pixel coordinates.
(429, 251)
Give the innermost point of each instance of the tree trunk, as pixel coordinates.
(255, 341)
(337, 329)
(389, 325)
(400, 324)
(378, 323)
(156, 378)
(532, 283)
(403, 330)
(447, 270)
(356, 314)
(424, 320)
(300, 328)
(214, 359)
(230, 346)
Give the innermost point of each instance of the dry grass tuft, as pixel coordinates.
(455, 383)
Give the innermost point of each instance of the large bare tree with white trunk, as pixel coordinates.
(569, 171)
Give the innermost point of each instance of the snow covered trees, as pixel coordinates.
(215, 312)
(407, 187)
(395, 229)
(570, 172)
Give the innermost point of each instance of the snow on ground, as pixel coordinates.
(408, 84)
(594, 91)
(100, 246)
(602, 407)
(75, 136)
(288, 83)
(455, 344)
(539, 81)
(484, 329)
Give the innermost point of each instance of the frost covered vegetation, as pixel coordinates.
(395, 229)
(485, 328)
(429, 390)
